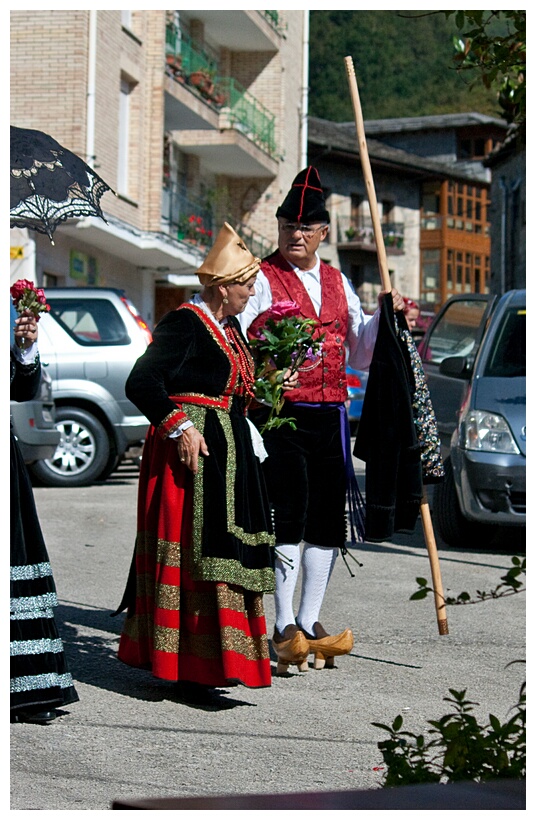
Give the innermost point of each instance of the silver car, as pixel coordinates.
(475, 359)
(33, 423)
(89, 342)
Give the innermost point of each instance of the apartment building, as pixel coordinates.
(192, 118)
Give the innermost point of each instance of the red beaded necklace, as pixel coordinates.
(244, 359)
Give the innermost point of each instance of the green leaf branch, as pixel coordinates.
(284, 344)
(511, 584)
(457, 747)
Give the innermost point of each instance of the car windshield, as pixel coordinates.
(456, 333)
(507, 357)
(90, 321)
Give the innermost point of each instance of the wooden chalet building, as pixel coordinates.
(433, 193)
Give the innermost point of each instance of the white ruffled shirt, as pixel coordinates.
(25, 356)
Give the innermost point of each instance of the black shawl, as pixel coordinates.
(387, 438)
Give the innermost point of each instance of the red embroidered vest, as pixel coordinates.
(326, 380)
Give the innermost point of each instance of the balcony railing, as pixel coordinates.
(189, 55)
(191, 221)
(257, 244)
(188, 219)
(362, 235)
(275, 21)
(188, 63)
(247, 114)
(431, 222)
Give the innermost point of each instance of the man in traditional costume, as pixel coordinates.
(307, 467)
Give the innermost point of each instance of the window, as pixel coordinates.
(388, 211)
(50, 280)
(508, 357)
(90, 322)
(467, 273)
(431, 206)
(124, 136)
(457, 331)
(467, 208)
(474, 147)
(430, 291)
(356, 210)
(430, 198)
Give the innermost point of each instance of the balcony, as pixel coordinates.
(191, 222)
(245, 113)
(258, 245)
(240, 30)
(242, 110)
(274, 18)
(184, 55)
(352, 236)
(204, 107)
(186, 219)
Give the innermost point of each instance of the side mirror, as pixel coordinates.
(456, 367)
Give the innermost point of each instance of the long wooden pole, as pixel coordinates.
(429, 538)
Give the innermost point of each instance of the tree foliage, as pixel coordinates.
(404, 62)
(493, 43)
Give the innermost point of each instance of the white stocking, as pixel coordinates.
(317, 565)
(286, 578)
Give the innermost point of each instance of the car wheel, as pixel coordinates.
(453, 528)
(81, 455)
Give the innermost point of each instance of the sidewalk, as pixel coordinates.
(129, 738)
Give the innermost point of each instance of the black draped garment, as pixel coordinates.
(40, 678)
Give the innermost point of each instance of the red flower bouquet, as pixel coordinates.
(27, 297)
(284, 343)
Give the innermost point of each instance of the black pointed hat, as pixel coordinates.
(305, 201)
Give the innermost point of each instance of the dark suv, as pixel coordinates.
(474, 355)
(89, 342)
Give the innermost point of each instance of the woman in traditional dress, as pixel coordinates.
(204, 551)
(40, 680)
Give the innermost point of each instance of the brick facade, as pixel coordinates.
(85, 59)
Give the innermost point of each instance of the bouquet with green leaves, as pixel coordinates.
(281, 346)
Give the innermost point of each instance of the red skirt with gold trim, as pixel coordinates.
(179, 627)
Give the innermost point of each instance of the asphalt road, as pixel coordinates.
(130, 738)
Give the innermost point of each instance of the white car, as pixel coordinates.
(89, 342)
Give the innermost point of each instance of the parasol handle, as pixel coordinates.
(367, 174)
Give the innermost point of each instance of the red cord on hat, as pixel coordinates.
(304, 186)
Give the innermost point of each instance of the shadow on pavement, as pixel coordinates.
(91, 637)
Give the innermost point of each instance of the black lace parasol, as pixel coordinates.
(49, 183)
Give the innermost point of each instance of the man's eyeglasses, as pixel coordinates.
(306, 230)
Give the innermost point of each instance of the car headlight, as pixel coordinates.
(487, 432)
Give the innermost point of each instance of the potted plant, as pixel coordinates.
(219, 98)
(350, 232)
(202, 80)
(191, 228)
(174, 64)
